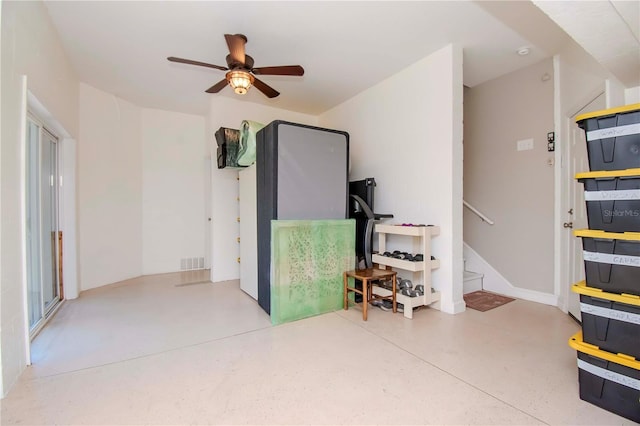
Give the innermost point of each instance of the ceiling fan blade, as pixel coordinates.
(269, 91)
(281, 70)
(190, 62)
(236, 44)
(217, 87)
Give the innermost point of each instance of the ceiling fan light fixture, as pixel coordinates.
(240, 81)
(240, 69)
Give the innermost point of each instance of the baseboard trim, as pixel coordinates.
(455, 307)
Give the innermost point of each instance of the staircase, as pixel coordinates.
(472, 281)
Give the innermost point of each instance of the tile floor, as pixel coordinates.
(176, 349)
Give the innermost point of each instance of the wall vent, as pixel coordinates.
(191, 263)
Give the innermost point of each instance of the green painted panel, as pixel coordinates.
(308, 258)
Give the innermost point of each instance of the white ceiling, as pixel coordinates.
(608, 30)
(345, 47)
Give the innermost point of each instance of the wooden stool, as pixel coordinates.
(368, 276)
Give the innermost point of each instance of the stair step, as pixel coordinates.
(470, 275)
(472, 282)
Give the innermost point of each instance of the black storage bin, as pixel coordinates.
(612, 199)
(610, 321)
(611, 260)
(613, 137)
(608, 381)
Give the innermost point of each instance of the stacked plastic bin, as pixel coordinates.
(608, 346)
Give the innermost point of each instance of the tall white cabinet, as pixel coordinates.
(248, 231)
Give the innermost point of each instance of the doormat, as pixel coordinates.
(483, 300)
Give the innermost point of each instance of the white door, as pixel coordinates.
(208, 167)
(42, 228)
(574, 209)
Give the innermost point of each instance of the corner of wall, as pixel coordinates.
(451, 307)
(615, 93)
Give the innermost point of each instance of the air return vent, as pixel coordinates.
(191, 263)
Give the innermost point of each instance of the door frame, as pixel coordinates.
(66, 199)
(563, 151)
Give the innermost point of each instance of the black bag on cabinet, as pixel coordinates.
(228, 141)
(222, 156)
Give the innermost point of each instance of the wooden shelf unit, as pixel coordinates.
(420, 271)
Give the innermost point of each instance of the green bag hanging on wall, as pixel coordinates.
(247, 151)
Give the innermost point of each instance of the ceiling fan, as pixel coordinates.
(241, 73)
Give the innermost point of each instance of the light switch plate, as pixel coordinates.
(524, 144)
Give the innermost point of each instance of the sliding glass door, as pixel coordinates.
(43, 235)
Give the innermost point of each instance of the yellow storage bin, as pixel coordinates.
(612, 199)
(610, 321)
(607, 380)
(611, 260)
(613, 137)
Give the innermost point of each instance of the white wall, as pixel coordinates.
(513, 188)
(614, 93)
(31, 47)
(632, 95)
(579, 77)
(225, 112)
(174, 157)
(109, 189)
(407, 133)
(141, 189)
